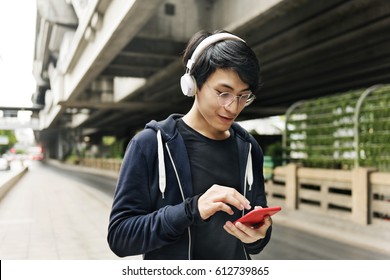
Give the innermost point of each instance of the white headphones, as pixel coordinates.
(187, 81)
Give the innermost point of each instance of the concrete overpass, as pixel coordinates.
(108, 67)
(19, 117)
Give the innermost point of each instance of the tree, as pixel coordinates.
(11, 140)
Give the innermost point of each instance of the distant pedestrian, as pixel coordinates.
(185, 179)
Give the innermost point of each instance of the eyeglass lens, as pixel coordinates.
(227, 98)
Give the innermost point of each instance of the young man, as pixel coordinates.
(184, 180)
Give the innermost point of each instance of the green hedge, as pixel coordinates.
(321, 132)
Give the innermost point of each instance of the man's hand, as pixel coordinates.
(246, 233)
(218, 198)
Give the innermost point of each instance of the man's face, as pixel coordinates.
(215, 120)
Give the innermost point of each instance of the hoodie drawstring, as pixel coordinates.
(249, 169)
(161, 164)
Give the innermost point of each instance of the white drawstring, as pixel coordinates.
(161, 164)
(249, 169)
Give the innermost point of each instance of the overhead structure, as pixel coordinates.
(108, 67)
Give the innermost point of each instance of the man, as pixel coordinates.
(184, 180)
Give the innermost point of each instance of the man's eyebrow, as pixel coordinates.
(230, 87)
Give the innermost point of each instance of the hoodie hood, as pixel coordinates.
(165, 131)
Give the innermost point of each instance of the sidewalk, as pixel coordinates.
(47, 218)
(372, 237)
(44, 218)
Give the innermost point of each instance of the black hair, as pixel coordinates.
(225, 54)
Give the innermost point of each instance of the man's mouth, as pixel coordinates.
(227, 119)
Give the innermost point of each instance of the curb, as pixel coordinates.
(8, 184)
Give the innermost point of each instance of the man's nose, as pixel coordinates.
(233, 106)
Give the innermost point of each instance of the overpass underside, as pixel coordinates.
(109, 67)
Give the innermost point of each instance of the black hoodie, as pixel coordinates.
(154, 206)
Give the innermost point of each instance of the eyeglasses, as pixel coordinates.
(227, 98)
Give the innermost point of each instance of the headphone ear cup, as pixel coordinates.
(188, 85)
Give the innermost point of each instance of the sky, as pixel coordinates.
(17, 40)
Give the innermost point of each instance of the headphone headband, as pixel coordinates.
(187, 81)
(207, 42)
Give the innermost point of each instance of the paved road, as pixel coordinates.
(286, 244)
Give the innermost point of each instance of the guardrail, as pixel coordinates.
(361, 195)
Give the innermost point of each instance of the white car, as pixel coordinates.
(4, 164)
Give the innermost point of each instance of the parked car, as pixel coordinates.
(4, 164)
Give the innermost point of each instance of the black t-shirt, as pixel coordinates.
(213, 162)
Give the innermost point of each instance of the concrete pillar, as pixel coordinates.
(361, 195)
(60, 150)
(291, 186)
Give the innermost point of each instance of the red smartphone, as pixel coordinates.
(256, 216)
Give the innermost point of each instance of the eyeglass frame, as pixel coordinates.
(251, 97)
